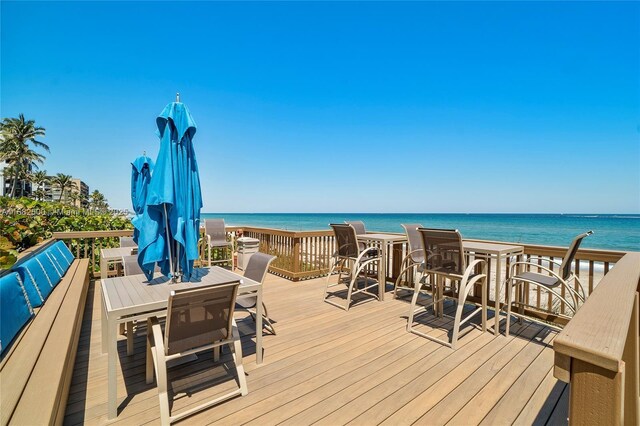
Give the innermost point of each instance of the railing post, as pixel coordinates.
(631, 360)
(296, 257)
(597, 394)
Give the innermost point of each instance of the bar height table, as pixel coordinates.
(382, 241)
(500, 253)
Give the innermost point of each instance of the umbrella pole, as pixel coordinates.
(166, 227)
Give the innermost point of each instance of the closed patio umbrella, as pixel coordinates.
(141, 169)
(171, 220)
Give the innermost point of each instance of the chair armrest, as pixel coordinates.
(543, 259)
(156, 341)
(364, 252)
(470, 268)
(535, 265)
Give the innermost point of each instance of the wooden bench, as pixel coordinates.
(36, 372)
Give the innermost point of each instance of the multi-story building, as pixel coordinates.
(23, 187)
(83, 190)
(53, 193)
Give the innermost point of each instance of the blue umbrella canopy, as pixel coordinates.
(171, 219)
(141, 169)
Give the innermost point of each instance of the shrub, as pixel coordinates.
(25, 222)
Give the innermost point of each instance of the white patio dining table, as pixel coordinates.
(133, 297)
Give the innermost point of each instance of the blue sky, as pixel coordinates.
(337, 107)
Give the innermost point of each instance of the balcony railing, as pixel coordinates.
(307, 254)
(597, 352)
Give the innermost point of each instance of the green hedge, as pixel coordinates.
(25, 222)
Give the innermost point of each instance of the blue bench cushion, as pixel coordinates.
(58, 260)
(15, 311)
(36, 282)
(62, 248)
(52, 271)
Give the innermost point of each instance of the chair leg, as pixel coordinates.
(509, 291)
(216, 354)
(456, 325)
(209, 255)
(165, 413)
(354, 281)
(236, 350)
(412, 307)
(484, 305)
(331, 270)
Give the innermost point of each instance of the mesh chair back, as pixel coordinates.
(415, 241)
(127, 242)
(215, 229)
(258, 265)
(199, 316)
(346, 240)
(131, 266)
(358, 225)
(256, 270)
(565, 268)
(444, 248)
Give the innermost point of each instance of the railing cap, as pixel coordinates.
(598, 331)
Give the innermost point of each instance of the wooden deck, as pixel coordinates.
(328, 366)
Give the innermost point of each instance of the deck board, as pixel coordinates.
(328, 366)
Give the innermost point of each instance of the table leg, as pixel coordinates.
(496, 330)
(111, 371)
(104, 267)
(382, 271)
(129, 338)
(259, 314)
(104, 326)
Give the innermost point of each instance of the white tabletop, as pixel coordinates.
(118, 252)
(381, 237)
(133, 294)
(491, 248)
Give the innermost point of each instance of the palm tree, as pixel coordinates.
(40, 194)
(72, 197)
(84, 200)
(98, 201)
(16, 137)
(40, 179)
(64, 183)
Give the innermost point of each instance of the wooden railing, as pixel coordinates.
(87, 244)
(300, 254)
(597, 352)
(590, 266)
(307, 254)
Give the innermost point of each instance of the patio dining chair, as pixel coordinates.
(547, 279)
(256, 270)
(216, 236)
(411, 267)
(358, 225)
(352, 261)
(127, 242)
(131, 267)
(454, 279)
(198, 319)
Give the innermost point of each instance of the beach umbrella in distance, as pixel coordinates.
(170, 223)
(141, 169)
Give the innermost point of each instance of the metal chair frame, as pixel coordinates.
(158, 356)
(517, 281)
(411, 264)
(354, 262)
(227, 246)
(440, 291)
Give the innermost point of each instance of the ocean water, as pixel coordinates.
(613, 232)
